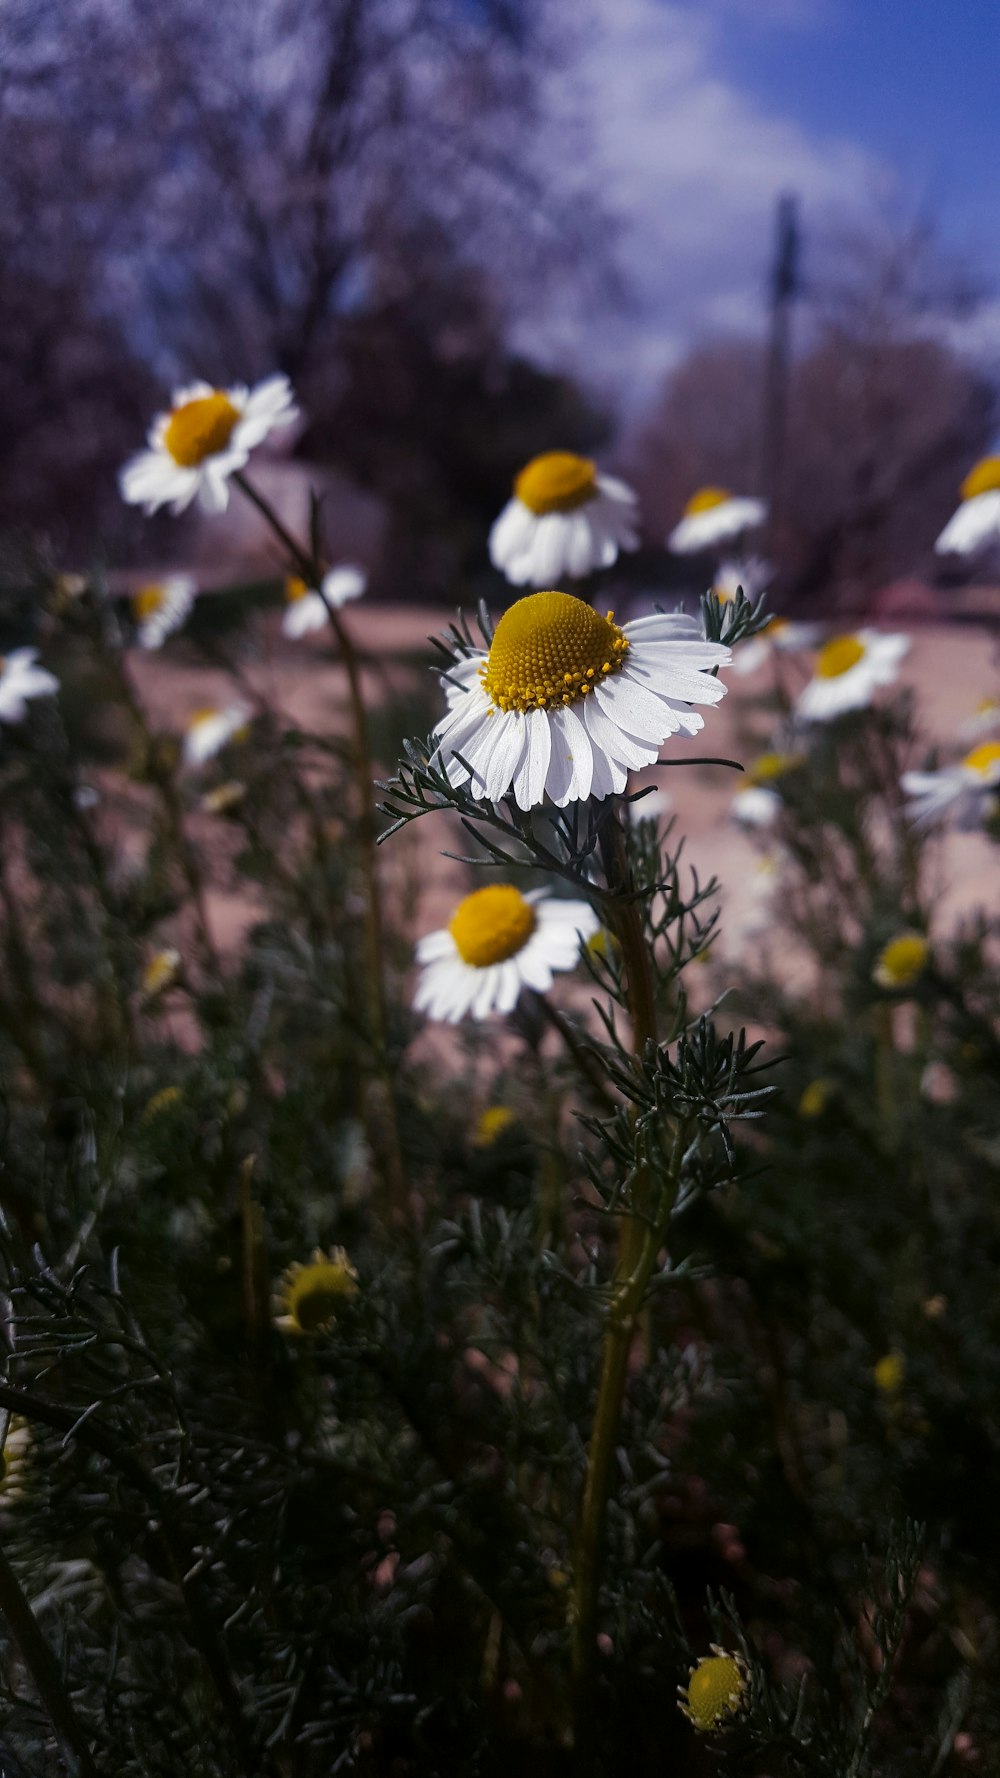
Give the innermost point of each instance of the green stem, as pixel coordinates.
(585, 1059)
(638, 1245)
(160, 775)
(313, 571)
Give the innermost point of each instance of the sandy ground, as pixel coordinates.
(950, 667)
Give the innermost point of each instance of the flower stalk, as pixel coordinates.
(312, 570)
(638, 1245)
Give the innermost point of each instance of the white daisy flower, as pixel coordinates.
(985, 720)
(713, 516)
(963, 791)
(497, 942)
(161, 972)
(752, 573)
(564, 521)
(208, 731)
(977, 521)
(161, 607)
(756, 806)
(778, 633)
(847, 671)
(566, 702)
(306, 609)
(207, 435)
(20, 681)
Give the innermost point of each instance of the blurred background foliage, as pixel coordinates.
(251, 1553)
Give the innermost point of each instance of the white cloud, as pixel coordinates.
(690, 165)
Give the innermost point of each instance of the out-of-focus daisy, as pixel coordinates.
(778, 633)
(497, 942)
(161, 607)
(492, 1124)
(752, 574)
(20, 681)
(755, 806)
(567, 702)
(209, 730)
(161, 972)
(889, 1373)
(222, 799)
(847, 672)
(713, 516)
(165, 1100)
(306, 609)
(817, 1096)
(902, 961)
(207, 435)
(768, 767)
(310, 1296)
(964, 791)
(985, 720)
(564, 520)
(977, 521)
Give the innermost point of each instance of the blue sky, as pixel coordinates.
(918, 84)
(696, 114)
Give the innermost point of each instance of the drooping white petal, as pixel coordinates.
(529, 783)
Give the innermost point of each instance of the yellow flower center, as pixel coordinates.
(768, 766)
(839, 656)
(983, 758)
(317, 1290)
(491, 1125)
(295, 589)
(204, 715)
(816, 1098)
(704, 499)
(557, 481)
(491, 925)
(161, 1101)
(200, 429)
(161, 971)
(902, 961)
(714, 1690)
(984, 478)
(549, 649)
(889, 1373)
(146, 601)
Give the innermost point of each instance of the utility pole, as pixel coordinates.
(784, 288)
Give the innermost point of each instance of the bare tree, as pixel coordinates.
(224, 186)
(885, 417)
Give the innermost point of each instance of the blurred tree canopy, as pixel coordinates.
(336, 188)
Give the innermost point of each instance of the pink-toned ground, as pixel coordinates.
(951, 668)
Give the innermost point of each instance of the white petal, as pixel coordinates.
(977, 522)
(345, 582)
(608, 736)
(571, 768)
(511, 534)
(434, 945)
(635, 709)
(509, 741)
(548, 553)
(529, 784)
